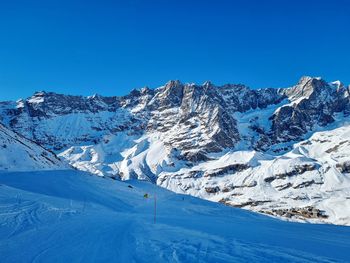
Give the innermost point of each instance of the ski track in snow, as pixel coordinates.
(70, 216)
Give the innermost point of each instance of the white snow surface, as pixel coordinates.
(308, 175)
(278, 182)
(20, 154)
(70, 216)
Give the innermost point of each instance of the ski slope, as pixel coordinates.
(71, 216)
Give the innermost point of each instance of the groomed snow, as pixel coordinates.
(70, 216)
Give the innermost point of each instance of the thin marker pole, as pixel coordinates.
(155, 207)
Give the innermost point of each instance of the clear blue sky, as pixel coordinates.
(111, 47)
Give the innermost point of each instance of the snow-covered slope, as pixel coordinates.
(311, 182)
(20, 154)
(69, 216)
(225, 143)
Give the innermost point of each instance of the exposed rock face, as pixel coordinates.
(313, 102)
(193, 119)
(241, 98)
(233, 168)
(57, 121)
(344, 167)
(297, 170)
(212, 190)
(308, 212)
(227, 142)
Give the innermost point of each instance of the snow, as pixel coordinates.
(143, 137)
(254, 117)
(337, 84)
(71, 216)
(281, 181)
(36, 99)
(147, 157)
(20, 154)
(20, 104)
(123, 155)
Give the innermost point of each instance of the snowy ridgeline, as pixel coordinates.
(66, 216)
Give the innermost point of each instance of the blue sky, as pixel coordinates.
(111, 47)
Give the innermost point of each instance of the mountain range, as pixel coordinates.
(283, 152)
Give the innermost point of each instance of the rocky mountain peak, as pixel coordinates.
(37, 97)
(135, 93)
(95, 96)
(146, 90)
(171, 84)
(40, 93)
(215, 109)
(170, 95)
(305, 79)
(338, 84)
(306, 87)
(208, 83)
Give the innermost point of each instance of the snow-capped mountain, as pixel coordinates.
(259, 149)
(20, 154)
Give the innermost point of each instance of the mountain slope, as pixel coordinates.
(187, 137)
(20, 154)
(311, 182)
(71, 216)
